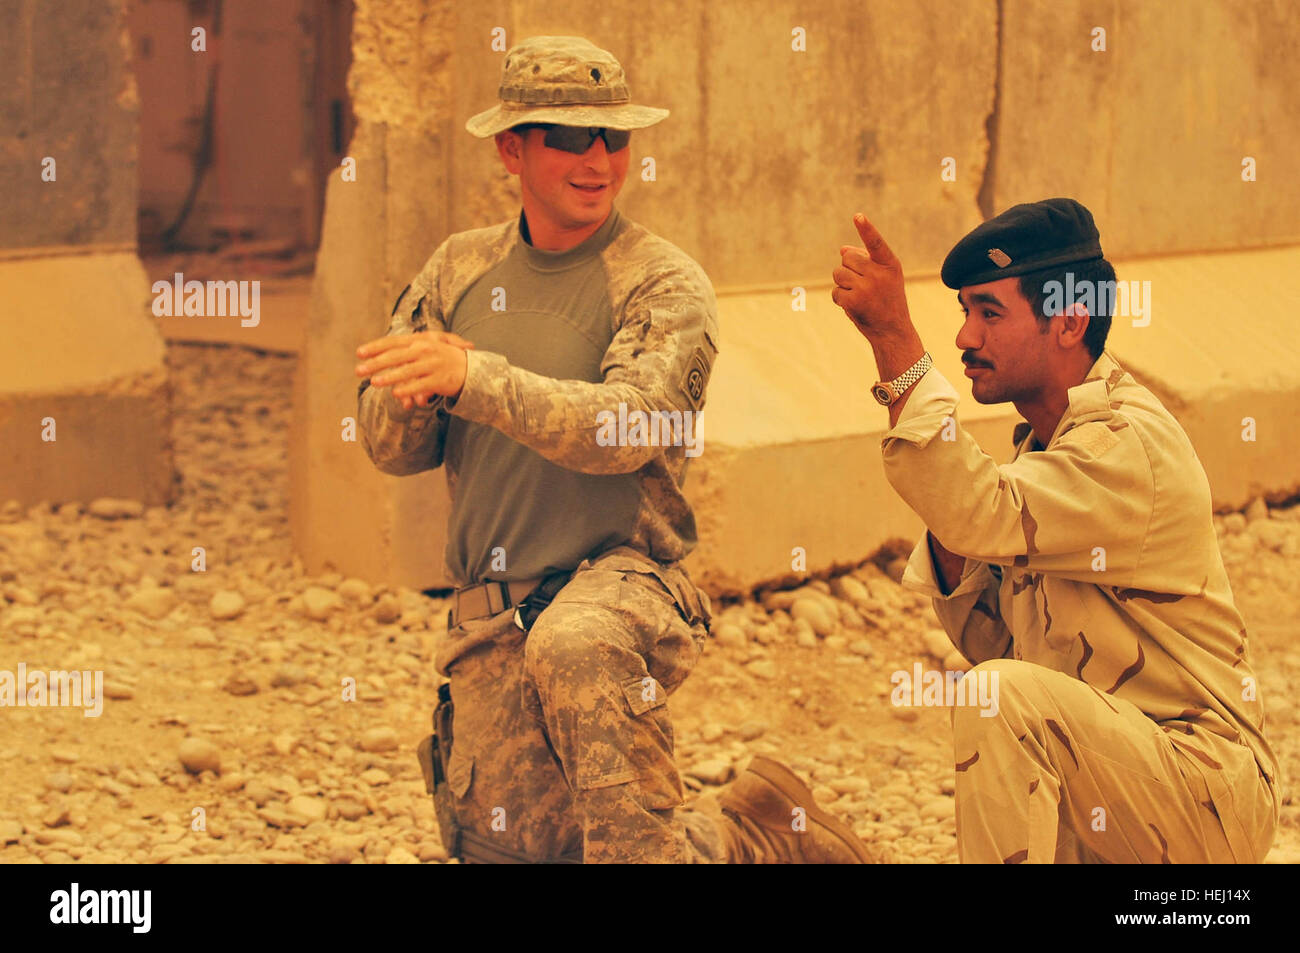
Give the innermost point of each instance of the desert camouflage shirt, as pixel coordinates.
(1095, 556)
(547, 451)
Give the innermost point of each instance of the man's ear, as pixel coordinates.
(1074, 324)
(510, 146)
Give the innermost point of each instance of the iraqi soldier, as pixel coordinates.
(565, 429)
(1083, 578)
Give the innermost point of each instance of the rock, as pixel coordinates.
(1257, 510)
(283, 744)
(287, 676)
(387, 609)
(850, 618)
(319, 604)
(711, 771)
(896, 567)
(1234, 523)
(59, 781)
(948, 786)
(937, 809)
(1270, 534)
(226, 604)
(240, 684)
(904, 712)
(730, 635)
(198, 754)
(400, 855)
(118, 691)
(763, 668)
(65, 755)
(343, 854)
(258, 791)
(349, 808)
(200, 637)
(375, 777)
(378, 739)
(862, 647)
(310, 808)
(11, 832)
(816, 614)
(936, 642)
(432, 852)
(752, 729)
(803, 634)
(109, 508)
(712, 732)
(823, 794)
(355, 590)
(56, 816)
(153, 602)
(850, 589)
(836, 643)
(775, 599)
(849, 785)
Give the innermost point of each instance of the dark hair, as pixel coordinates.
(523, 127)
(1094, 279)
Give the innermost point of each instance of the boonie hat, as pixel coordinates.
(564, 80)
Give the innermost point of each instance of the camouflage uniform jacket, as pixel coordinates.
(658, 352)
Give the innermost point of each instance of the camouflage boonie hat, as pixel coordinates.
(563, 80)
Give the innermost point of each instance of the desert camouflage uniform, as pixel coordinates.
(563, 742)
(1129, 725)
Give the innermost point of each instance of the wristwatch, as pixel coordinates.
(886, 392)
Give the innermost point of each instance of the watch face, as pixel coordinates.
(882, 394)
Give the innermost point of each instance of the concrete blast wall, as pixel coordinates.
(929, 116)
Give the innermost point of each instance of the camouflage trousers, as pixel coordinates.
(562, 738)
(1065, 774)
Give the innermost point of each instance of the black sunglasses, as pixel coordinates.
(578, 139)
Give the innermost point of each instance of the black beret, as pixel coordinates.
(1022, 239)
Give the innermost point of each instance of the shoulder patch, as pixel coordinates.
(694, 378)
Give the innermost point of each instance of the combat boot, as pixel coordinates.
(771, 818)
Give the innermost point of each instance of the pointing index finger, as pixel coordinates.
(877, 247)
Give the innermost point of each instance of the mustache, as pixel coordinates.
(971, 362)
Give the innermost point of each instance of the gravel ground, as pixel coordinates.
(226, 735)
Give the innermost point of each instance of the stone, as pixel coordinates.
(763, 668)
(118, 691)
(343, 854)
(862, 647)
(319, 604)
(108, 508)
(198, 754)
(378, 739)
(375, 777)
(937, 809)
(431, 852)
(836, 643)
(258, 792)
(750, 730)
(711, 771)
(240, 684)
(896, 567)
(712, 732)
(850, 589)
(816, 614)
(1270, 534)
(1256, 510)
(730, 635)
(226, 604)
(849, 785)
(283, 744)
(11, 832)
(400, 855)
(200, 637)
(355, 590)
(287, 676)
(59, 781)
(310, 808)
(65, 755)
(387, 609)
(1234, 523)
(153, 602)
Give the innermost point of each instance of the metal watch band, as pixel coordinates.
(887, 393)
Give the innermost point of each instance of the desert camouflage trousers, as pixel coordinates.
(562, 739)
(1065, 774)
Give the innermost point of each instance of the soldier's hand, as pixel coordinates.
(417, 366)
(869, 284)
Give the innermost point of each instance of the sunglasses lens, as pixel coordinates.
(578, 139)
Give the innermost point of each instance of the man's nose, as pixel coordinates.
(597, 156)
(967, 339)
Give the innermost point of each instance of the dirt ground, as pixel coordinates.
(240, 670)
